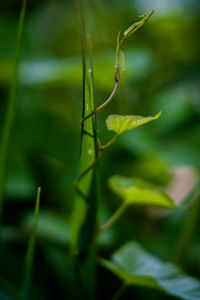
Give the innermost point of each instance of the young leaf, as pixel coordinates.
(120, 64)
(135, 266)
(120, 124)
(139, 191)
(137, 25)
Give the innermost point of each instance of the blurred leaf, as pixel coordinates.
(51, 227)
(135, 266)
(151, 167)
(189, 225)
(67, 71)
(139, 191)
(19, 185)
(120, 124)
(4, 297)
(178, 103)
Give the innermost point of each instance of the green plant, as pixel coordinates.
(133, 265)
(86, 228)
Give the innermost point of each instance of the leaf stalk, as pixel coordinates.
(117, 214)
(108, 100)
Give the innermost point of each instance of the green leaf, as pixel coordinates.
(120, 124)
(120, 64)
(139, 191)
(135, 266)
(137, 25)
(52, 227)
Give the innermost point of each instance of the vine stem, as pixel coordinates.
(108, 100)
(100, 149)
(109, 143)
(121, 209)
(88, 169)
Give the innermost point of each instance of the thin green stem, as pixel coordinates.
(11, 106)
(108, 100)
(100, 149)
(109, 143)
(119, 292)
(117, 214)
(30, 252)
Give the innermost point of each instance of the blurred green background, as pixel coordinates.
(162, 74)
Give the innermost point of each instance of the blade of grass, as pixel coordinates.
(88, 148)
(84, 225)
(11, 106)
(30, 252)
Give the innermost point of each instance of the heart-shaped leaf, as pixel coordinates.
(135, 266)
(139, 191)
(120, 124)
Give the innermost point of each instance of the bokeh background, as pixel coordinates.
(162, 74)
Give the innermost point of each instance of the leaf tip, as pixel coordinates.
(150, 14)
(158, 115)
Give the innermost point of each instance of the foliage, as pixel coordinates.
(138, 191)
(40, 87)
(120, 124)
(135, 266)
